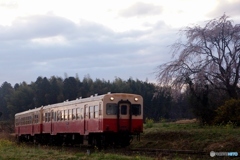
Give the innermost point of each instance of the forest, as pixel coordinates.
(44, 91)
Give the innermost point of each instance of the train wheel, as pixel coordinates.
(126, 139)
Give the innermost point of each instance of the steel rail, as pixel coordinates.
(170, 151)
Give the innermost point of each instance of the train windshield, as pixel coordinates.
(136, 109)
(111, 108)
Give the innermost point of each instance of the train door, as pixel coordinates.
(123, 117)
(32, 123)
(86, 118)
(100, 117)
(95, 116)
(52, 122)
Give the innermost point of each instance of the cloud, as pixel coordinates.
(8, 4)
(49, 45)
(37, 26)
(141, 9)
(230, 8)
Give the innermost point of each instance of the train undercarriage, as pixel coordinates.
(99, 140)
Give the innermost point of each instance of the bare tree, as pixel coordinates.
(210, 55)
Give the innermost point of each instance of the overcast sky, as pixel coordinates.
(102, 38)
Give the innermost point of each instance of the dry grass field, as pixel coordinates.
(188, 135)
(179, 135)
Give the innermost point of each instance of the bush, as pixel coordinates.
(149, 122)
(229, 112)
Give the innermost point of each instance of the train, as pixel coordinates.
(98, 120)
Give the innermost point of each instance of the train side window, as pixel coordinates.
(69, 114)
(81, 113)
(100, 109)
(91, 111)
(124, 110)
(55, 116)
(35, 118)
(31, 119)
(45, 117)
(111, 108)
(78, 113)
(73, 114)
(59, 115)
(48, 117)
(86, 112)
(136, 109)
(96, 111)
(65, 114)
(62, 115)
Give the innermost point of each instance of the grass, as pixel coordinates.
(9, 150)
(181, 135)
(189, 135)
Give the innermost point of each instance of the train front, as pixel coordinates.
(122, 117)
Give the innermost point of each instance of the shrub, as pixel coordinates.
(229, 113)
(149, 122)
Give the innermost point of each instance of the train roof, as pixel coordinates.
(28, 111)
(78, 100)
(87, 99)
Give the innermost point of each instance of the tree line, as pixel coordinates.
(44, 91)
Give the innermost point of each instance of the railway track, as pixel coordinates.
(169, 151)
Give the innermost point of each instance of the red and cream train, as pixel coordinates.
(102, 120)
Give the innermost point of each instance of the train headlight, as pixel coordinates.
(111, 98)
(136, 99)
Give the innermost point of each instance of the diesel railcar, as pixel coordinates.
(101, 120)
